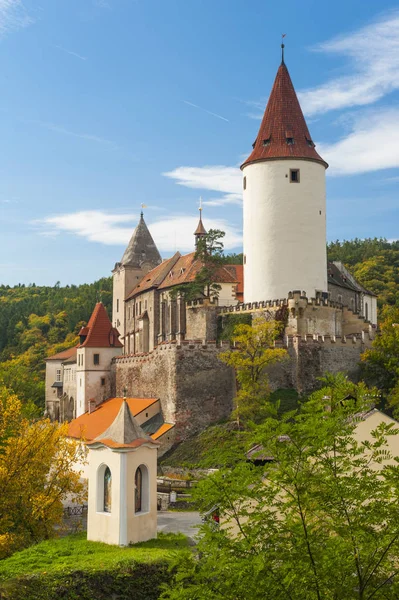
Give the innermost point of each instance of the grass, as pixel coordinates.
(74, 552)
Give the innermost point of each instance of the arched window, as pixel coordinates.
(107, 490)
(138, 490)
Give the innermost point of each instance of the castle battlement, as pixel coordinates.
(364, 337)
(294, 299)
(168, 346)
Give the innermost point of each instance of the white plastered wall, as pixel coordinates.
(122, 525)
(284, 230)
(89, 376)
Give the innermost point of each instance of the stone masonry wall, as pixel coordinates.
(201, 321)
(195, 388)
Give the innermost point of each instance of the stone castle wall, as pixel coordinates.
(195, 388)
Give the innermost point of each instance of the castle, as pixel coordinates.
(160, 352)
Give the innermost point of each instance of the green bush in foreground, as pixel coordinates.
(74, 569)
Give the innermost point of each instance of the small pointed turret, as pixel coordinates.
(99, 332)
(124, 431)
(141, 248)
(283, 132)
(200, 231)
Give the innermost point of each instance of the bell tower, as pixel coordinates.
(284, 203)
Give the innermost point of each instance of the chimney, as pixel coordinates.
(92, 405)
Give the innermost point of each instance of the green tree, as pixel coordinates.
(209, 258)
(253, 352)
(319, 519)
(381, 362)
(36, 474)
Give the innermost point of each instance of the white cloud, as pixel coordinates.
(170, 233)
(13, 15)
(370, 146)
(218, 178)
(373, 54)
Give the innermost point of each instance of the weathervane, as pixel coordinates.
(282, 47)
(200, 205)
(143, 206)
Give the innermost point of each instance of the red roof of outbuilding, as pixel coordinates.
(99, 330)
(283, 119)
(63, 355)
(91, 425)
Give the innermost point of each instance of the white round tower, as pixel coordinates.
(284, 203)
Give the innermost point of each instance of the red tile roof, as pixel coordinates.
(165, 427)
(283, 119)
(91, 425)
(187, 267)
(64, 354)
(238, 272)
(99, 331)
(182, 269)
(154, 277)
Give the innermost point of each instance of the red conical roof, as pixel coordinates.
(99, 331)
(283, 132)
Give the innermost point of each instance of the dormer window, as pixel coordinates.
(310, 142)
(266, 142)
(253, 145)
(289, 137)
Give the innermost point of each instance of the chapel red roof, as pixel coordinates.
(99, 331)
(283, 132)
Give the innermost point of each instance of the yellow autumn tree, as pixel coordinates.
(36, 474)
(254, 351)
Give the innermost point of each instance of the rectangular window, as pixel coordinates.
(96, 359)
(117, 305)
(294, 175)
(102, 380)
(58, 375)
(245, 183)
(145, 304)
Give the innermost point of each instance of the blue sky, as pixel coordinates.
(108, 104)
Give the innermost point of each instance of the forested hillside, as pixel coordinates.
(374, 263)
(37, 321)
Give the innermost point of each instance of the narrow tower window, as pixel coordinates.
(294, 175)
(107, 490)
(138, 489)
(245, 183)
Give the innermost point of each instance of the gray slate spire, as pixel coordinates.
(125, 429)
(141, 248)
